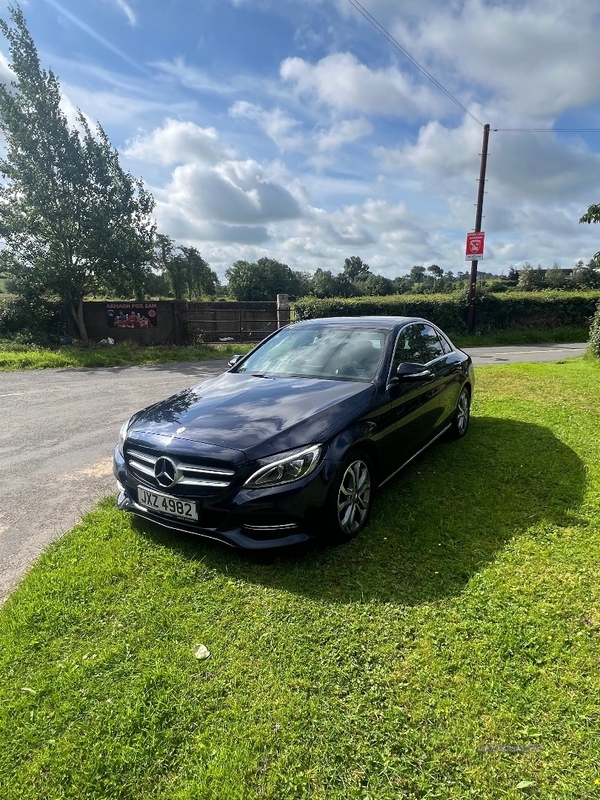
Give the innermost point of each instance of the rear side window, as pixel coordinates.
(446, 346)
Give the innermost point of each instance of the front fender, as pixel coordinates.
(360, 433)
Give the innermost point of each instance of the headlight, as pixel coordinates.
(286, 468)
(123, 435)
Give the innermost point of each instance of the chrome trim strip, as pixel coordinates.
(226, 473)
(144, 468)
(418, 453)
(142, 456)
(288, 526)
(199, 482)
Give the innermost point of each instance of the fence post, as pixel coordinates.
(283, 310)
(180, 322)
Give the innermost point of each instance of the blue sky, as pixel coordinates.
(293, 129)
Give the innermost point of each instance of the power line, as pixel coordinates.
(546, 130)
(370, 18)
(384, 32)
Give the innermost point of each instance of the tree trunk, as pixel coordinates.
(77, 313)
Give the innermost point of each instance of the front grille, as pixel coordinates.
(142, 465)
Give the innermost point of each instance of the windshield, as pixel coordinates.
(327, 351)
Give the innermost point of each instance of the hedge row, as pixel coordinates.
(595, 334)
(493, 312)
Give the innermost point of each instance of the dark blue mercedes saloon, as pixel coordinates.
(292, 441)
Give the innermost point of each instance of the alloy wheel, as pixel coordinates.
(354, 497)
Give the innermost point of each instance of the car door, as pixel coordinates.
(418, 405)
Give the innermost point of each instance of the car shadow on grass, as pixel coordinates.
(441, 521)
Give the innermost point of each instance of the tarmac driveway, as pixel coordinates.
(60, 427)
(56, 442)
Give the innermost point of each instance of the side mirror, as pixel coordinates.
(234, 360)
(410, 371)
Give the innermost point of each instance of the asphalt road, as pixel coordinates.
(60, 427)
(56, 442)
(483, 356)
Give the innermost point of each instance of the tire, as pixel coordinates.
(351, 498)
(462, 415)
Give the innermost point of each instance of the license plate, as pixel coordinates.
(163, 504)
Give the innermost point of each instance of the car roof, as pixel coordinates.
(383, 323)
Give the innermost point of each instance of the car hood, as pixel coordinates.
(255, 415)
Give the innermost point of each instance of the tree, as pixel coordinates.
(355, 269)
(188, 273)
(377, 286)
(513, 275)
(326, 284)
(72, 221)
(264, 280)
(436, 271)
(588, 276)
(526, 278)
(166, 260)
(591, 215)
(417, 273)
(200, 278)
(555, 277)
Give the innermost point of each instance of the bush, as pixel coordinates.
(446, 310)
(30, 320)
(594, 341)
(493, 312)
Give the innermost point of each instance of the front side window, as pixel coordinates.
(417, 344)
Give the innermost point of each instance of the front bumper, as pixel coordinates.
(257, 519)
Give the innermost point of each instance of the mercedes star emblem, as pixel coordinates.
(165, 472)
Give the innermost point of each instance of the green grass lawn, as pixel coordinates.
(451, 651)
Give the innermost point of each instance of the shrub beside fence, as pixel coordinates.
(595, 334)
(493, 312)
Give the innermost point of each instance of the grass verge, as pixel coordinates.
(17, 357)
(451, 651)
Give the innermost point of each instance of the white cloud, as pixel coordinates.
(209, 235)
(344, 132)
(343, 83)
(178, 142)
(210, 196)
(127, 110)
(277, 124)
(190, 76)
(286, 131)
(544, 168)
(178, 70)
(521, 166)
(534, 60)
(127, 10)
(440, 151)
(234, 192)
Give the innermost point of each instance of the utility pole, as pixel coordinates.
(478, 218)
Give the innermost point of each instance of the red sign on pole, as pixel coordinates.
(475, 242)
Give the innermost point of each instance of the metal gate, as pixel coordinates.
(230, 322)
